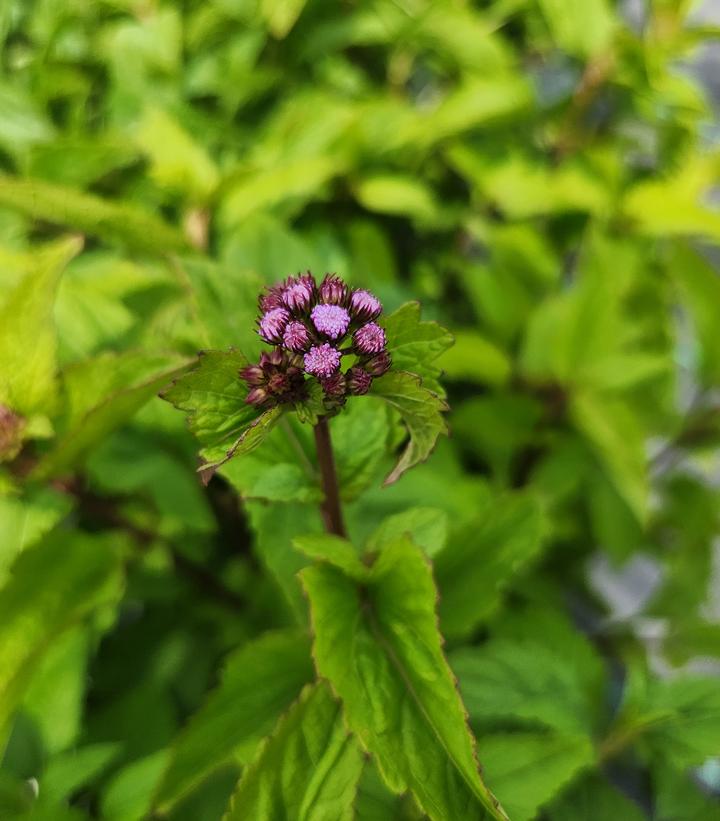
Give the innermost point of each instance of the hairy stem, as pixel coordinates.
(330, 508)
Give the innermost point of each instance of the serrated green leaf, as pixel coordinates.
(474, 358)
(379, 647)
(307, 771)
(420, 410)
(259, 682)
(425, 526)
(27, 333)
(125, 224)
(66, 772)
(102, 394)
(336, 551)
(53, 586)
(415, 344)
(527, 769)
(213, 396)
(482, 558)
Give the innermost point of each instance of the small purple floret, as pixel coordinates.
(322, 360)
(296, 337)
(273, 324)
(331, 320)
(365, 305)
(369, 339)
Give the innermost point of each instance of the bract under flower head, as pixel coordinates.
(331, 320)
(322, 360)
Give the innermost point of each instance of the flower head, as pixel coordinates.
(358, 381)
(364, 305)
(299, 292)
(296, 336)
(331, 320)
(379, 364)
(322, 360)
(369, 339)
(278, 377)
(272, 324)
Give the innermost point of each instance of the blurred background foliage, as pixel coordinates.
(543, 176)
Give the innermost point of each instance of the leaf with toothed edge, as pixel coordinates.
(379, 646)
(421, 411)
(308, 769)
(415, 344)
(213, 396)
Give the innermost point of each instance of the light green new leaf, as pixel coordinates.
(52, 587)
(483, 558)
(397, 194)
(527, 769)
(421, 411)
(475, 359)
(213, 396)
(581, 29)
(336, 551)
(125, 224)
(102, 394)
(27, 333)
(259, 682)
(66, 772)
(307, 771)
(415, 345)
(379, 647)
(281, 15)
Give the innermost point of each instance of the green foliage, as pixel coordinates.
(180, 636)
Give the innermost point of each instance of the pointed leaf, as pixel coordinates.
(379, 647)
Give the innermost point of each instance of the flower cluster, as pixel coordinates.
(312, 327)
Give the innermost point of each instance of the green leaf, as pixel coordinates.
(53, 586)
(473, 358)
(379, 647)
(397, 194)
(415, 345)
(259, 682)
(72, 769)
(425, 526)
(307, 771)
(177, 162)
(336, 551)
(420, 410)
(27, 333)
(483, 558)
(593, 799)
(527, 769)
(124, 224)
(213, 396)
(582, 29)
(102, 395)
(281, 15)
(527, 681)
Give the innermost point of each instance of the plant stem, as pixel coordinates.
(330, 508)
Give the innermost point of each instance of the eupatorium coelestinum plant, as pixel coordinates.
(373, 612)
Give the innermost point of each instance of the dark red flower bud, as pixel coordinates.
(253, 375)
(334, 385)
(379, 364)
(257, 396)
(358, 381)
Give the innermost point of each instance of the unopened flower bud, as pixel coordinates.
(257, 397)
(271, 298)
(358, 381)
(272, 325)
(333, 291)
(253, 375)
(370, 339)
(334, 385)
(299, 293)
(364, 306)
(379, 364)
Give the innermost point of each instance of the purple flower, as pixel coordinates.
(278, 377)
(272, 325)
(369, 339)
(379, 364)
(322, 360)
(271, 298)
(296, 336)
(364, 305)
(358, 380)
(331, 320)
(299, 292)
(333, 291)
